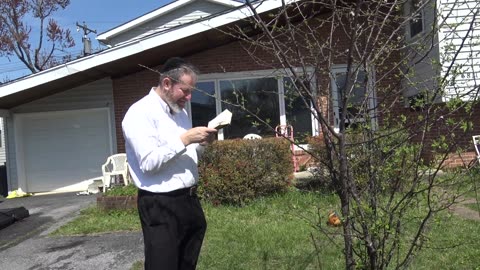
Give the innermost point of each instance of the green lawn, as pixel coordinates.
(454, 244)
(276, 233)
(272, 233)
(93, 220)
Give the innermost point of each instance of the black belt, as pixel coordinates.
(190, 191)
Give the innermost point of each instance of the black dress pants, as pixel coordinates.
(173, 226)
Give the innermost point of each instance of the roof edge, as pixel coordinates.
(155, 14)
(133, 47)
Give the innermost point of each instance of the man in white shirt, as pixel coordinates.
(162, 151)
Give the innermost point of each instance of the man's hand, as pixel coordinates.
(201, 135)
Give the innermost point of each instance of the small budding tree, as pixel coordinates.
(36, 50)
(375, 75)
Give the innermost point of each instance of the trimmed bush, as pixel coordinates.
(129, 190)
(237, 171)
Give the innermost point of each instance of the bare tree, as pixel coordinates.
(17, 38)
(377, 150)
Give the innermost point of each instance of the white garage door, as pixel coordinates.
(60, 150)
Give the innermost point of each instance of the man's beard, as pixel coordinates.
(173, 105)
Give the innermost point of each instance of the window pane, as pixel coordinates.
(357, 104)
(260, 97)
(203, 106)
(297, 112)
(416, 25)
(416, 22)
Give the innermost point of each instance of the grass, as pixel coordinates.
(137, 266)
(129, 190)
(453, 244)
(272, 233)
(276, 233)
(93, 220)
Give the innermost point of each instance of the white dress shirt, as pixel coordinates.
(158, 159)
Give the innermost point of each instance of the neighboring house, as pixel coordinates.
(453, 53)
(63, 123)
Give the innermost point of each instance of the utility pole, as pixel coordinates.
(87, 44)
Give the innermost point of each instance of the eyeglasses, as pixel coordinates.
(187, 92)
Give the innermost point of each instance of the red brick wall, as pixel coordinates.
(228, 58)
(128, 89)
(234, 58)
(458, 138)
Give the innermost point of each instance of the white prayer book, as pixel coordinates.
(222, 120)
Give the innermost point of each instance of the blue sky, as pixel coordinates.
(99, 15)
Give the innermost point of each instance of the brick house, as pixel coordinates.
(452, 52)
(62, 123)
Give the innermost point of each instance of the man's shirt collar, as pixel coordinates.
(162, 103)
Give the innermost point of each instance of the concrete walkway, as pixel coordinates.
(461, 209)
(26, 244)
(99, 252)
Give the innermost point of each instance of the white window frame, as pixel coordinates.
(258, 74)
(370, 90)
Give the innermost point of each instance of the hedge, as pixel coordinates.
(237, 171)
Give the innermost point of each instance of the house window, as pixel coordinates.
(203, 103)
(263, 96)
(416, 22)
(298, 112)
(259, 99)
(360, 100)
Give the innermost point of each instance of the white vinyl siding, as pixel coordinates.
(12, 176)
(456, 18)
(98, 94)
(178, 17)
(3, 157)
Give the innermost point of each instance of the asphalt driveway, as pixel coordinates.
(26, 244)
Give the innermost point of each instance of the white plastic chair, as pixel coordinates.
(252, 136)
(116, 165)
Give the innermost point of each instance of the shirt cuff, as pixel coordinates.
(178, 146)
(200, 150)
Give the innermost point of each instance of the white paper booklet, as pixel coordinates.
(222, 120)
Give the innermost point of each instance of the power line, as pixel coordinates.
(12, 67)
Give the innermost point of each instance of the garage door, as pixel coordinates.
(63, 149)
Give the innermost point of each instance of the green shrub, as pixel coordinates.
(237, 171)
(129, 190)
(387, 162)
